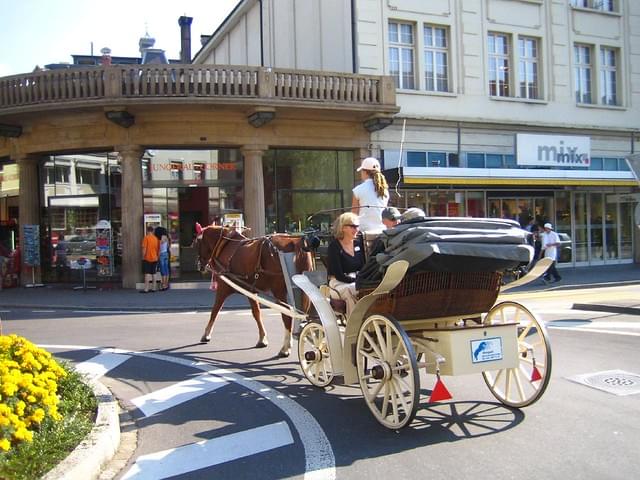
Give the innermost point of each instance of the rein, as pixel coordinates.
(215, 264)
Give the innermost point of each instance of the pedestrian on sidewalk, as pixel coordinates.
(163, 260)
(550, 244)
(150, 253)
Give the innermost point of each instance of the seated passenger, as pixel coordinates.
(390, 217)
(346, 257)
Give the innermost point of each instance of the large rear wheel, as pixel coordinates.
(387, 370)
(525, 384)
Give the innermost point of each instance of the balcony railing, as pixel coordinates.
(204, 81)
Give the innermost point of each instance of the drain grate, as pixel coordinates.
(617, 382)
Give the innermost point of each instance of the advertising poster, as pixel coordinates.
(104, 254)
(31, 248)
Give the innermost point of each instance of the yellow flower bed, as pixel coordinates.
(28, 384)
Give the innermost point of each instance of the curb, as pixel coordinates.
(606, 308)
(131, 308)
(100, 445)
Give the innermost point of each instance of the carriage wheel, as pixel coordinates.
(313, 353)
(523, 385)
(387, 371)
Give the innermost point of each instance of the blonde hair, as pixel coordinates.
(346, 218)
(379, 182)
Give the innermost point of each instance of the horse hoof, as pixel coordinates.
(262, 345)
(205, 339)
(283, 354)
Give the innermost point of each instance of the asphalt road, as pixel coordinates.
(227, 410)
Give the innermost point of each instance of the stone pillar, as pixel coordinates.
(28, 210)
(132, 214)
(254, 212)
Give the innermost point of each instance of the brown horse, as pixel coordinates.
(253, 262)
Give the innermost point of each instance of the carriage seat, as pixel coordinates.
(337, 304)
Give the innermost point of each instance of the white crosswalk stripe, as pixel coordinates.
(178, 393)
(207, 453)
(102, 363)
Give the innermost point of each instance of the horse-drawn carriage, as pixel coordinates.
(435, 310)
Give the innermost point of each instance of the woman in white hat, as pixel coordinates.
(371, 196)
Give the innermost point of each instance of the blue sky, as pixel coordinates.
(39, 32)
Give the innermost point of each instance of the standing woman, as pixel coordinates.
(346, 258)
(371, 196)
(163, 261)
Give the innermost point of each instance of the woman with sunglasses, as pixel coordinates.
(346, 258)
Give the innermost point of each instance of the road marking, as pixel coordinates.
(320, 463)
(596, 330)
(207, 453)
(111, 312)
(102, 363)
(178, 393)
(43, 311)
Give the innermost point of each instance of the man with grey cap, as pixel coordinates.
(390, 217)
(550, 244)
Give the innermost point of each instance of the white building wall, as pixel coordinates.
(555, 24)
(296, 34)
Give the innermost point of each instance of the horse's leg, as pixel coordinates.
(221, 295)
(257, 315)
(285, 351)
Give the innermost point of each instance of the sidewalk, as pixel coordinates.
(197, 296)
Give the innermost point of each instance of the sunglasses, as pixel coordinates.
(352, 225)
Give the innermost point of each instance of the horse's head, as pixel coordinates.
(210, 242)
(205, 242)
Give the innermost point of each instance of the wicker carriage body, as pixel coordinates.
(429, 294)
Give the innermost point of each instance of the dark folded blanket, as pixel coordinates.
(448, 245)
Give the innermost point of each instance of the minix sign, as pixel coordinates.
(553, 150)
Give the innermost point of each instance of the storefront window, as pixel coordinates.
(446, 204)
(627, 226)
(185, 187)
(563, 226)
(81, 217)
(306, 188)
(596, 226)
(581, 243)
(611, 228)
(475, 204)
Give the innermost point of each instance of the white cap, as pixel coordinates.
(549, 226)
(369, 163)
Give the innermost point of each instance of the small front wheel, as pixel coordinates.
(387, 370)
(525, 384)
(314, 355)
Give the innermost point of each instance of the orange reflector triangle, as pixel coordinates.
(439, 392)
(535, 374)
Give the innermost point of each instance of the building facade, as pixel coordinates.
(91, 154)
(526, 109)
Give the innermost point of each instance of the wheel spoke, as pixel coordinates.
(373, 344)
(516, 375)
(385, 402)
(369, 356)
(524, 332)
(381, 341)
(394, 404)
(405, 404)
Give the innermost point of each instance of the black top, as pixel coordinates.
(341, 263)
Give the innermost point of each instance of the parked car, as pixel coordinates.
(565, 254)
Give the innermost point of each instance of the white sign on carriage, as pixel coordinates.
(553, 150)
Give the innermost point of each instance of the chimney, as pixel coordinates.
(185, 38)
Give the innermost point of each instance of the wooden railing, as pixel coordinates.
(144, 81)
